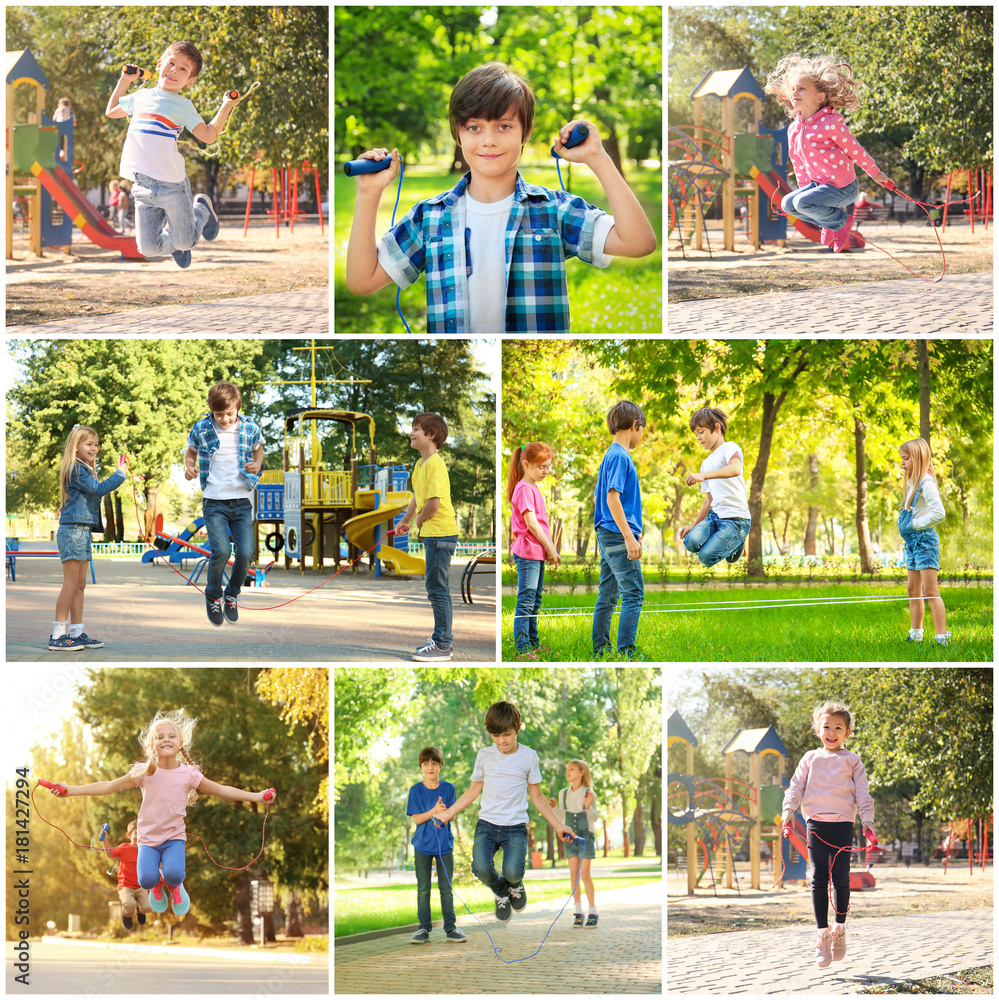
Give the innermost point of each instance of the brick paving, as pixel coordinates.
(623, 954)
(879, 950)
(960, 305)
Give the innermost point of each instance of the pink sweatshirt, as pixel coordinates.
(823, 150)
(830, 786)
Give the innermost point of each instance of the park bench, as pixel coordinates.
(13, 552)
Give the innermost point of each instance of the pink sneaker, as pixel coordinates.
(841, 238)
(838, 942)
(823, 942)
(826, 236)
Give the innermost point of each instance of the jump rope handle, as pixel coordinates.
(269, 794)
(354, 167)
(129, 70)
(230, 95)
(103, 833)
(60, 790)
(570, 837)
(576, 136)
(870, 836)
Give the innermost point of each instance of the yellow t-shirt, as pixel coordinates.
(430, 480)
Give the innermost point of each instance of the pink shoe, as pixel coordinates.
(823, 943)
(841, 238)
(838, 942)
(826, 236)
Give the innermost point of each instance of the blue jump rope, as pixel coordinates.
(365, 166)
(496, 948)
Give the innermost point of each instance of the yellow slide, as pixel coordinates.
(360, 531)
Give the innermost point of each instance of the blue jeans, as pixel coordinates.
(445, 862)
(530, 580)
(169, 854)
(618, 575)
(716, 538)
(489, 838)
(221, 518)
(438, 551)
(158, 203)
(821, 204)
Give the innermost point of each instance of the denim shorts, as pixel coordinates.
(922, 550)
(577, 850)
(73, 541)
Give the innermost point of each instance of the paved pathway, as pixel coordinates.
(960, 304)
(623, 954)
(276, 314)
(879, 950)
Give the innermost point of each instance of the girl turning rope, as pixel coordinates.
(830, 785)
(168, 778)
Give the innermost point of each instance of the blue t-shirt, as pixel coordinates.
(422, 799)
(618, 473)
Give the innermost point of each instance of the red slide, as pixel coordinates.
(85, 217)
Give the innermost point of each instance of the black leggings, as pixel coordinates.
(840, 834)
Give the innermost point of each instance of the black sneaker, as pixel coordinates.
(421, 936)
(231, 609)
(518, 896)
(577, 920)
(455, 934)
(214, 609)
(738, 555)
(503, 908)
(591, 920)
(126, 922)
(141, 917)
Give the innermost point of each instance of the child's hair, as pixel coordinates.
(624, 415)
(222, 395)
(113, 184)
(834, 80)
(184, 725)
(63, 102)
(431, 753)
(433, 425)
(708, 416)
(77, 436)
(922, 466)
(831, 708)
(188, 49)
(585, 768)
(487, 92)
(501, 717)
(535, 452)
(132, 824)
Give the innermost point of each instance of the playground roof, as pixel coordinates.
(733, 83)
(677, 731)
(761, 741)
(23, 66)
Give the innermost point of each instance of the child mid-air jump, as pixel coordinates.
(830, 785)
(820, 145)
(168, 778)
(167, 219)
(494, 247)
(134, 899)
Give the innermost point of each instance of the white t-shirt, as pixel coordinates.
(487, 249)
(728, 496)
(225, 481)
(928, 509)
(158, 118)
(505, 777)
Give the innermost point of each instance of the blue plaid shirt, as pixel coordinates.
(544, 229)
(205, 442)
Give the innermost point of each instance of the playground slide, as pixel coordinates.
(360, 531)
(85, 217)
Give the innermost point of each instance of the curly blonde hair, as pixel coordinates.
(184, 724)
(833, 79)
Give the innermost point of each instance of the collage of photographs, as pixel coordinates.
(342, 364)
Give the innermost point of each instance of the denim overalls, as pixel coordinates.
(922, 545)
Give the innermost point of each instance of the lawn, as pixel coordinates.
(693, 625)
(623, 298)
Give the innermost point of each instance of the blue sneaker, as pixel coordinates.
(88, 642)
(180, 900)
(158, 898)
(211, 229)
(64, 644)
(182, 257)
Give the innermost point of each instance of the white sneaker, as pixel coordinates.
(823, 943)
(943, 640)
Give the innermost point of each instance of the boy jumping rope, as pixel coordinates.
(167, 219)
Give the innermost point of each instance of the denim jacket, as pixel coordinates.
(83, 502)
(205, 442)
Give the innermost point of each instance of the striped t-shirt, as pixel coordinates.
(157, 120)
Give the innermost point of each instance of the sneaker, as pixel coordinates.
(738, 555)
(89, 643)
(431, 651)
(64, 644)
(422, 936)
(591, 920)
(158, 898)
(503, 908)
(126, 922)
(943, 640)
(913, 638)
(839, 942)
(182, 257)
(518, 896)
(141, 917)
(826, 236)
(455, 934)
(823, 943)
(214, 609)
(841, 238)
(211, 229)
(231, 610)
(577, 920)
(179, 900)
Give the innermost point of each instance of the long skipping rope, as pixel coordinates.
(108, 850)
(496, 948)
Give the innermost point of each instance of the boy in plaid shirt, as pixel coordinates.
(494, 247)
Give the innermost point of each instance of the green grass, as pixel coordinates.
(844, 633)
(624, 298)
(360, 910)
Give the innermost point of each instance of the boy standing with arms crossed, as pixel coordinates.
(617, 517)
(438, 527)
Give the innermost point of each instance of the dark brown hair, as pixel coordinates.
(708, 416)
(487, 92)
(433, 425)
(625, 415)
(222, 395)
(188, 49)
(431, 753)
(501, 717)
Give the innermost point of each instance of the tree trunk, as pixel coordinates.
(923, 354)
(624, 823)
(813, 511)
(656, 816)
(603, 823)
(293, 916)
(639, 822)
(241, 904)
(755, 551)
(152, 509)
(867, 563)
(119, 522)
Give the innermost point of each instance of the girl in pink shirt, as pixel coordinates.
(820, 145)
(168, 778)
(830, 785)
(532, 540)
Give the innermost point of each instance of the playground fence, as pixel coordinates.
(462, 548)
